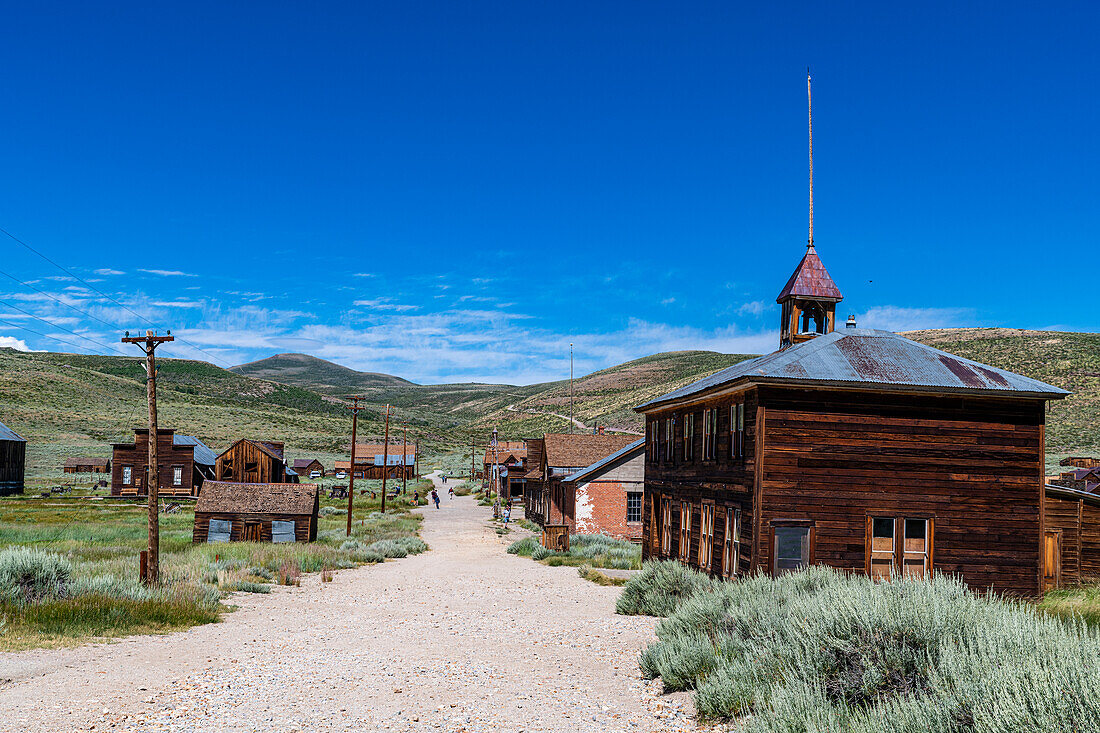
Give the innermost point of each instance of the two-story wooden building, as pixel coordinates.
(509, 457)
(856, 448)
(254, 462)
(184, 462)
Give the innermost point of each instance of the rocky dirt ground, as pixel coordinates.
(461, 638)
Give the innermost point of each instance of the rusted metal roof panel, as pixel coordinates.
(875, 358)
(810, 280)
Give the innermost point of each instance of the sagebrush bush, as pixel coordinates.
(31, 575)
(660, 588)
(818, 650)
(541, 553)
(523, 547)
(388, 548)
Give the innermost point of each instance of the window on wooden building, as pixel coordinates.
(633, 506)
(792, 548)
(710, 434)
(282, 531)
(689, 436)
(651, 426)
(666, 526)
(250, 466)
(706, 536)
(669, 441)
(731, 550)
(899, 544)
(177, 475)
(685, 531)
(127, 475)
(219, 530)
(737, 430)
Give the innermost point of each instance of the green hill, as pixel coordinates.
(316, 374)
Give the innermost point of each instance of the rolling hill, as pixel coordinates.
(316, 374)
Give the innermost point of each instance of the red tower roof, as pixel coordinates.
(810, 280)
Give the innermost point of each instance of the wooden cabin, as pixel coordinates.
(374, 459)
(858, 449)
(228, 511)
(13, 461)
(559, 456)
(306, 466)
(1071, 537)
(510, 459)
(607, 496)
(87, 464)
(184, 463)
(1080, 462)
(254, 462)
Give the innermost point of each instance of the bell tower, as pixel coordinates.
(809, 299)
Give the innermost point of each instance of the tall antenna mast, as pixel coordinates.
(810, 114)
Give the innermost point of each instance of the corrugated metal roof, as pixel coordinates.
(7, 433)
(638, 444)
(384, 460)
(203, 454)
(854, 356)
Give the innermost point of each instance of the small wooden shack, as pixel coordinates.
(306, 466)
(1071, 537)
(252, 462)
(237, 512)
(87, 464)
(13, 459)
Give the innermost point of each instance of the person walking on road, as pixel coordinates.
(451, 494)
(435, 498)
(416, 498)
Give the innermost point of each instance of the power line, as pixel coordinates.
(66, 330)
(39, 333)
(72, 274)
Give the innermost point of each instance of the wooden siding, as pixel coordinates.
(974, 465)
(169, 456)
(245, 462)
(305, 525)
(13, 457)
(1061, 513)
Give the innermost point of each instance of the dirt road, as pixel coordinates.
(462, 638)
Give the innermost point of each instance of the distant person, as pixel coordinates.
(451, 494)
(444, 479)
(507, 513)
(416, 498)
(435, 498)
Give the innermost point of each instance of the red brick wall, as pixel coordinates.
(600, 506)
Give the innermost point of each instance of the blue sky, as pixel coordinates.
(457, 191)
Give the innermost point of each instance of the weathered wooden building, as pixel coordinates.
(372, 460)
(606, 496)
(305, 466)
(510, 459)
(230, 511)
(254, 462)
(87, 464)
(184, 463)
(1071, 537)
(558, 456)
(13, 460)
(858, 449)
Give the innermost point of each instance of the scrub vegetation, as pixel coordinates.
(818, 650)
(593, 550)
(69, 565)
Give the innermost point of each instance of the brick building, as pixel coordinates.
(607, 495)
(554, 458)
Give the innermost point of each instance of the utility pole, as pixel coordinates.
(473, 449)
(570, 388)
(148, 343)
(416, 459)
(385, 459)
(351, 471)
(405, 460)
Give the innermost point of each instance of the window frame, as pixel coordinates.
(737, 431)
(127, 475)
(638, 495)
(684, 549)
(670, 438)
(710, 433)
(807, 524)
(706, 535)
(689, 436)
(666, 526)
(177, 475)
(731, 543)
(898, 552)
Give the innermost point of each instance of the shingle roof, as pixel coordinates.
(303, 462)
(876, 359)
(810, 279)
(638, 446)
(517, 448)
(577, 450)
(203, 453)
(7, 433)
(85, 461)
(237, 498)
(376, 449)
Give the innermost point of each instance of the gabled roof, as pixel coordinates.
(810, 280)
(273, 450)
(517, 449)
(236, 498)
(203, 454)
(577, 450)
(861, 357)
(630, 451)
(377, 449)
(303, 462)
(7, 433)
(85, 461)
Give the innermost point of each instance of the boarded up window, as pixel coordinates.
(219, 530)
(792, 549)
(282, 531)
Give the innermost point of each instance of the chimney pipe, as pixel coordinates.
(851, 322)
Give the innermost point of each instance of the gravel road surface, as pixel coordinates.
(461, 638)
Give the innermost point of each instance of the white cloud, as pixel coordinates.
(754, 308)
(386, 304)
(897, 318)
(108, 271)
(11, 342)
(668, 301)
(178, 304)
(363, 274)
(168, 273)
